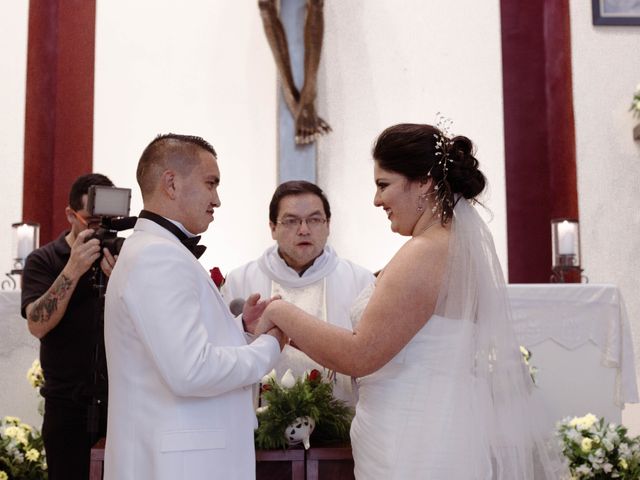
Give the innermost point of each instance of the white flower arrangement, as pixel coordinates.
(598, 450)
(35, 375)
(22, 455)
(21, 451)
(635, 103)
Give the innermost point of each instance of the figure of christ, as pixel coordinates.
(309, 126)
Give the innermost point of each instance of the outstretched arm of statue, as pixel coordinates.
(308, 125)
(278, 42)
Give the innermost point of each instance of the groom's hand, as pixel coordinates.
(252, 310)
(279, 335)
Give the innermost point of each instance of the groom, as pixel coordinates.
(180, 371)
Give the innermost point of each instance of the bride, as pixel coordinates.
(443, 391)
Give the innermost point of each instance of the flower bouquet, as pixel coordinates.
(22, 454)
(295, 409)
(598, 450)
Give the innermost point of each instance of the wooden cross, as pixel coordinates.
(297, 56)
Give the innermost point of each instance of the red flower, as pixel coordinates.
(314, 375)
(266, 387)
(217, 277)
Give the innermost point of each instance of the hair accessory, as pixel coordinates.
(441, 165)
(443, 143)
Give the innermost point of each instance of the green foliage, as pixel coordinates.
(307, 397)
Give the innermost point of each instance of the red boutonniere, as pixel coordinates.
(217, 277)
(314, 375)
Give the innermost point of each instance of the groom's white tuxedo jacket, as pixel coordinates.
(180, 371)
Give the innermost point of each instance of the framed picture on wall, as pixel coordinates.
(616, 12)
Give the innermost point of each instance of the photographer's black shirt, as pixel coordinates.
(67, 351)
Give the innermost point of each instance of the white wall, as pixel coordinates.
(605, 74)
(13, 74)
(383, 65)
(186, 70)
(204, 70)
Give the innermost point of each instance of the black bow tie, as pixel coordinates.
(191, 243)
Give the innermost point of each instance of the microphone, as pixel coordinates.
(236, 306)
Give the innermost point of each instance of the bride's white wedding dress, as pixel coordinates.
(455, 403)
(420, 416)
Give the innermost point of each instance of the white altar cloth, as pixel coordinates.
(581, 342)
(18, 350)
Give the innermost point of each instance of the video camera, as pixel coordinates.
(111, 204)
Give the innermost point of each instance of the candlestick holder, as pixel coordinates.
(26, 237)
(565, 250)
(10, 283)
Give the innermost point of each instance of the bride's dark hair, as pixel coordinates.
(422, 151)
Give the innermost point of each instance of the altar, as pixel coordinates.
(580, 339)
(579, 336)
(18, 350)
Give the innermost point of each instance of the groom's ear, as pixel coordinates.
(168, 183)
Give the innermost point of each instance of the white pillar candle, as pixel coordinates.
(567, 238)
(25, 240)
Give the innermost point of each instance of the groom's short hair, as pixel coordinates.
(296, 187)
(169, 150)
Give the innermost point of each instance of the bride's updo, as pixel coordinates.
(420, 152)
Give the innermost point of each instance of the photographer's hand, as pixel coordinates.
(108, 262)
(47, 311)
(84, 253)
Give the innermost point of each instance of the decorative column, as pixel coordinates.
(58, 145)
(539, 131)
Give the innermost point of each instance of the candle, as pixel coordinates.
(567, 238)
(25, 240)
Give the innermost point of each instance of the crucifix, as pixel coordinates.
(297, 62)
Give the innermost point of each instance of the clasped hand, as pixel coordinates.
(256, 323)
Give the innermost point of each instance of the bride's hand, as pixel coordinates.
(263, 326)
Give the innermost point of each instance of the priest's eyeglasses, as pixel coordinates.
(295, 222)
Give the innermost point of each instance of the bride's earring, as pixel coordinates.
(421, 199)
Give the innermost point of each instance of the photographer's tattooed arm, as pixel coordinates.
(47, 311)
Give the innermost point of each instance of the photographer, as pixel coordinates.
(64, 311)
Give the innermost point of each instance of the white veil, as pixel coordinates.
(519, 436)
